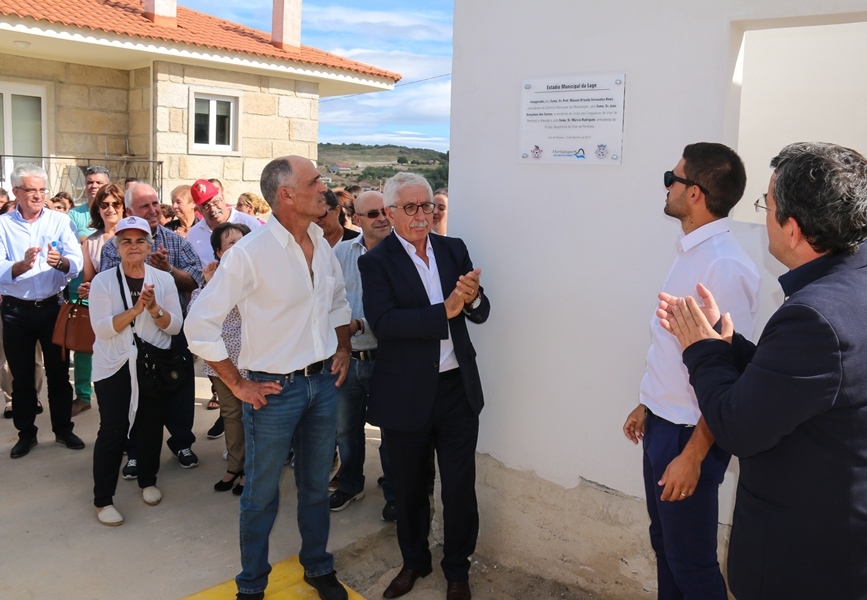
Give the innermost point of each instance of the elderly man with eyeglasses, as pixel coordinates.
(683, 467)
(39, 254)
(419, 292)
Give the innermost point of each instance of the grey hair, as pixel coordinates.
(275, 174)
(394, 184)
(27, 170)
(824, 188)
(148, 237)
(130, 192)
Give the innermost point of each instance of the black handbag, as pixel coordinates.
(160, 370)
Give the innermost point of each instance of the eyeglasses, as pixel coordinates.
(668, 179)
(115, 205)
(213, 204)
(31, 191)
(410, 209)
(764, 206)
(374, 214)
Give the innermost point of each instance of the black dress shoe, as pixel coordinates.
(404, 581)
(256, 596)
(72, 441)
(458, 590)
(327, 586)
(22, 448)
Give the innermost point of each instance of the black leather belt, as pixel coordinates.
(364, 354)
(11, 300)
(449, 374)
(311, 369)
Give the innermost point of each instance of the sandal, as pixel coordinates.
(213, 403)
(7, 411)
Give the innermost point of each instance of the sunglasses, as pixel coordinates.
(374, 214)
(115, 205)
(668, 179)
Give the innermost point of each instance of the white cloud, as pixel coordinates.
(403, 25)
(412, 65)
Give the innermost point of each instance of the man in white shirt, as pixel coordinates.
(683, 467)
(39, 254)
(209, 201)
(288, 287)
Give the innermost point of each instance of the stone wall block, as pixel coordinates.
(170, 143)
(232, 168)
(253, 168)
(139, 123)
(279, 86)
(32, 68)
(194, 167)
(75, 144)
(264, 127)
(294, 108)
(177, 120)
(286, 148)
(136, 100)
(257, 148)
(142, 78)
(233, 80)
(109, 99)
(260, 104)
(172, 95)
(98, 76)
(162, 118)
(303, 130)
(76, 120)
(76, 96)
(307, 89)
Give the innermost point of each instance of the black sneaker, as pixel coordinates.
(217, 430)
(389, 512)
(187, 458)
(327, 586)
(130, 469)
(340, 500)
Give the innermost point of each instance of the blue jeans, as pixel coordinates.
(306, 409)
(351, 411)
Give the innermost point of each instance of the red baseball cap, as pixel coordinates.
(202, 191)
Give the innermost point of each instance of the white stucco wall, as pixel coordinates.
(572, 256)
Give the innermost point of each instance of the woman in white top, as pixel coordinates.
(156, 315)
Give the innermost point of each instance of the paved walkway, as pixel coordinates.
(54, 547)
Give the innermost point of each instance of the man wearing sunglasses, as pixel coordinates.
(352, 396)
(419, 291)
(683, 467)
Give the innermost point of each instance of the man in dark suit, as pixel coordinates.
(793, 407)
(419, 291)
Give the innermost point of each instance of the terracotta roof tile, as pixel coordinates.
(126, 17)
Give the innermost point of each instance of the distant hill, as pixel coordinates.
(369, 166)
(355, 153)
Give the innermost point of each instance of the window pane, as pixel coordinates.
(26, 120)
(200, 135)
(223, 123)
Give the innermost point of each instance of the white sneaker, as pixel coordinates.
(108, 515)
(151, 495)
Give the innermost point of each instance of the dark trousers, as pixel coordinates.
(683, 533)
(23, 326)
(453, 430)
(114, 397)
(180, 411)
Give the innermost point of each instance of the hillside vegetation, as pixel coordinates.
(371, 165)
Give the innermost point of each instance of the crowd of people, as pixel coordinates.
(275, 307)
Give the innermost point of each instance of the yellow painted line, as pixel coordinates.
(285, 582)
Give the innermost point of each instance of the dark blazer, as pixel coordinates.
(409, 328)
(794, 409)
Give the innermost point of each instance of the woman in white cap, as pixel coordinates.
(154, 314)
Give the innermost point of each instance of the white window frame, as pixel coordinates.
(233, 148)
(7, 89)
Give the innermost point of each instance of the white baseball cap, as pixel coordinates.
(132, 223)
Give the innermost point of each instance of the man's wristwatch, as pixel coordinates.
(475, 303)
(160, 313)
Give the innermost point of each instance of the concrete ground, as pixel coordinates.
(54, 547)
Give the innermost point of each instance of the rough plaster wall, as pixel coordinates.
(279, 117)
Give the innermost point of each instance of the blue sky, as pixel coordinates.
(414, 40)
